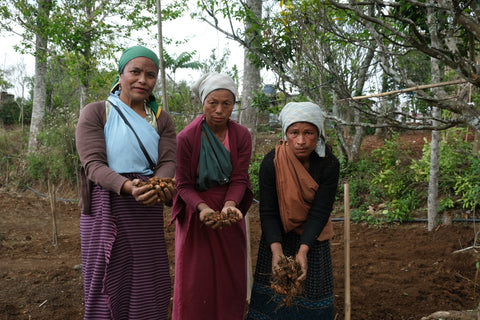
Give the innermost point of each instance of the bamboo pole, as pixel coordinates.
(51, 193)
(7, 172)
(421, 87)
(346, 237)
(162, 61)
(249, 260)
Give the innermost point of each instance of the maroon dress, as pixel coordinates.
(210, 265)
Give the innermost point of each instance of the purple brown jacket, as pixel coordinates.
(90, 141)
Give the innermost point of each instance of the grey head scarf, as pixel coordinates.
(304, 112)
(211, 82)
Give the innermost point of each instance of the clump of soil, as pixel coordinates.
(285, 279)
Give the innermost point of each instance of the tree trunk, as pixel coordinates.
(251, 80)
(342, 152)
(436, 137)
(433, 182)
(83, 96)
(249, 116)
(86, 60)
(39, 95)
(163, 79)
(476, 142)
(40, 82)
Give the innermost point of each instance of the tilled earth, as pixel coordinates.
(396, 272)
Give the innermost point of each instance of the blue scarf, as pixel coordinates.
(123, 151)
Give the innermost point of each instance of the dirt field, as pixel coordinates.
(397, 272)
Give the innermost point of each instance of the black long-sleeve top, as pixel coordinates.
(325, 171)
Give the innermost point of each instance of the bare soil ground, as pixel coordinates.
(396, 272)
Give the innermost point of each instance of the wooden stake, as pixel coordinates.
(7, 172)
(346, 237)
(51, 193)
(249, 259)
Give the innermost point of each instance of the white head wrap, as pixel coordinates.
(304, 112)
(211, 82)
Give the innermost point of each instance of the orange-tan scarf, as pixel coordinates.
(296, 190)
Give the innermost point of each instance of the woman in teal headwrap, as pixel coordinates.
(120, 141)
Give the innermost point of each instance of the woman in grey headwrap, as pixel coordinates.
(213, 156)
(298, 182)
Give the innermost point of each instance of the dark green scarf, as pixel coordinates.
(214, 166)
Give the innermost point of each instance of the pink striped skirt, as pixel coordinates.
(124, 259)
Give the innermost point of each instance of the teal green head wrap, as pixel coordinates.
(132, 53)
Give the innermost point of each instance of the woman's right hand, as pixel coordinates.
(277, 254)
(204, 213)
(142, 194)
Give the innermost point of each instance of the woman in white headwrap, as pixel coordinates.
(298, 182)
(213, 155)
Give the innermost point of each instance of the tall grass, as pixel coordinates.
(13, 145)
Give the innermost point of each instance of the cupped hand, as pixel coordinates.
(275, 260)
(168, 193)
(144, 194)
(301, 258)
(277, 254)
(227, 210)
(204, 218)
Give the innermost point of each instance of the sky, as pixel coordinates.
(201, 37)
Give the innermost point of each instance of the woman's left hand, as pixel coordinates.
(233, 209)
(301, 258)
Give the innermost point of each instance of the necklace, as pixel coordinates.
(147, 112)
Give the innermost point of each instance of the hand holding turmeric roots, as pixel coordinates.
(218, 220)
(287, 279)
(163, 188)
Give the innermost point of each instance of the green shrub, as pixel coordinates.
(384, 181)
(396, 180)
(467, 186)
(459, 172)
(56, 158)
(359, 175)
(253, 171)
(10, 112)
(13, 144)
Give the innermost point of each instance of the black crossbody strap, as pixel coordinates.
(152, 165)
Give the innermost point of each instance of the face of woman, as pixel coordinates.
(137, 81)
(302, 139)
(218, 107)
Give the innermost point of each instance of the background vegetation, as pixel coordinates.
(327, 52)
